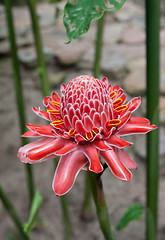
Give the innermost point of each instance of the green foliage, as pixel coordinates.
(55, 1)
(78, 16)
(133, 212)
(36, 204)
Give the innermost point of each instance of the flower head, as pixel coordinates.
(85, 123)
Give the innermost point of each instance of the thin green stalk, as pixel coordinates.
(153, 76)
(100, 203)
(98, 47)
(39, 47)
(9, 207)
(86, 210)
(66, 217)
(18, 88)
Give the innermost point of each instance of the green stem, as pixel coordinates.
(87, 200)
(13, 214)
(66, 217)
(153, 68)
(18, 88)
(98, 47)
(101, 207)
(39, 47)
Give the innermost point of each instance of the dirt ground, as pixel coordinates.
(119, 195)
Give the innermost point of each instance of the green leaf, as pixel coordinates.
(133, 212)
(36, 204)
(77, 17)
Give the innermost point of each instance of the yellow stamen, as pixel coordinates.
(89, 137)
(57, 104)
(114, 122)
(117, 102)
(58, 122)
(112, 94)
(121, 108)
(95, 130)
(72, 131)
(56, 112)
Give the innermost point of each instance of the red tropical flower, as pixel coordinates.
(85, 123)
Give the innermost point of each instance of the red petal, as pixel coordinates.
(80, 128)
(92, 112)
(67, 148)
(105, 81)
(79, 138)
(96, 103)
(109, 88)
(63, 87)
(139, 120)
(55, 97)
(77, 112)
(117, 142)
(45, 150)
(125, 159)
(116, 88)
(103, 119)
(100, 145)
(88, 124)
(71, 113)
(119, 101)
(22, 153)
(31, 127)
(115, 165)
(123, 97)
(67, 170)
(46, 101)
(45, 130)
(86, 109)
(41, 113)
(74, 120)
(91, 153)
(30, 134)
(41, 130)
(67, 122)
(101, 107)
(91, 103)
(134, 104)
(97, 120)
(135, 128)
(81, 108)
(124, 120)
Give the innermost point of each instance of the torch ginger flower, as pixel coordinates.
(85, 123)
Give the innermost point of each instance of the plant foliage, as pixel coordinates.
(36, 204)
(78, 15)
(133, 212)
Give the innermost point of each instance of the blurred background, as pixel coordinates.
(123, 62)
